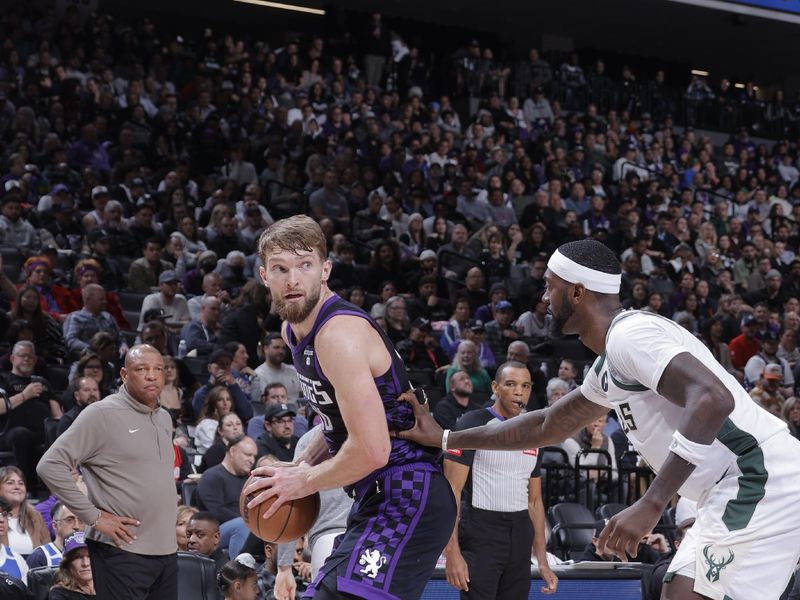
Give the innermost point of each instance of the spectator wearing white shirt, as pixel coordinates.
(167, 298)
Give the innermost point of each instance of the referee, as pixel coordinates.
(501, 514)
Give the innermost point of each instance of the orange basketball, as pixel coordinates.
(291, 521)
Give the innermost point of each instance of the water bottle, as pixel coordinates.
(182, 349)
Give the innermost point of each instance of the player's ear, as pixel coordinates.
(578, 293)
(327, 265)
(263, 274)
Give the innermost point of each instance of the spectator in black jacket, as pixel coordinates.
(278, 438)
(219, 490)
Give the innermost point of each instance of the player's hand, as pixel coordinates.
(285, 584)
(115, 528)
(457, 571)
(426, 430)
(549, 578)
(283, 481)
(624, 531)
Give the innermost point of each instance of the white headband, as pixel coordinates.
(569, 270)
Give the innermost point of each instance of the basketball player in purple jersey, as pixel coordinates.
(349, 372)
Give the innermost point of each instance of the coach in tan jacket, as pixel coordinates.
(123, 445)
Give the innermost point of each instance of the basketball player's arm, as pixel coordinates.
(348, 350)
(535, 429)
(707, 402)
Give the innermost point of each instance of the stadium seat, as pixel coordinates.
(421, 377)
(7, 457)
(606, 511)
(58, 377)
(40, 580)
(188, 492)
(133, 318)
(12, 262)
(197, 367)
(196, 577)
(572, 528)
(132, 301)
(50, 431)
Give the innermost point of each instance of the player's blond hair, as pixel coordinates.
(293, 235)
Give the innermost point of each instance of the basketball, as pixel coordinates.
(291, 521)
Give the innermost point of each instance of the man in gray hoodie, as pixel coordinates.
(123, 445)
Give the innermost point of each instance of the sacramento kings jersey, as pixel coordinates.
(639, 347)
(321, 395)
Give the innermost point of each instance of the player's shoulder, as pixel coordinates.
(638, 322)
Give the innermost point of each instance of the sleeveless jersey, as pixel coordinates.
(321, 395)
(51, 553)
(639, 346)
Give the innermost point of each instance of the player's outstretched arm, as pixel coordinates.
(531, 430)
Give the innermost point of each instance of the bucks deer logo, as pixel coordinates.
(715, 566)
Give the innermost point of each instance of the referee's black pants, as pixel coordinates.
(122, 575)
(497, 549)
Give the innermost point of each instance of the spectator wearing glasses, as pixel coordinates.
(25, 401)
(278, 438)
(65, 523)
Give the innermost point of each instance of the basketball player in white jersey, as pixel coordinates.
(687, 417)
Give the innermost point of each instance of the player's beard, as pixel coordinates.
(565, 311)
(297, 312)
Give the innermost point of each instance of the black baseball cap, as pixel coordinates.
(219, 355)
(97, 234)
(420, 323)
(275, 411)
(475, 325)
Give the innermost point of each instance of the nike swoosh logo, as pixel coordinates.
(133, 430)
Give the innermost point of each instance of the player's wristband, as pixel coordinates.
(445, 435)
(690, 451)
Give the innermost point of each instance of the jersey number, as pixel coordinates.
(628, 424)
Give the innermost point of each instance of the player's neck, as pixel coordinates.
(304, 327)
(594, 337)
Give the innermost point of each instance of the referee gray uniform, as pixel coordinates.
(496, 533)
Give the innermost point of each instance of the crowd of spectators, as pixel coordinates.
(139, 166)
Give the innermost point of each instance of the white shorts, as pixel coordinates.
(745, 542)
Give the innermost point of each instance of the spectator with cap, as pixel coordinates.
(466, 359)
(100, 197)
(497, 292)
(421, 350)
(746, 344)
(278, 438)
(73, 579)
(772, 294)
(220, 488)
(767, 392)
(475, 332)
(201, 333)
(167, 298)
(500, 331)
(99, 246)
(458, 401)
(219, 371)
(81, 325)
(144, 272)
(768, 354)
